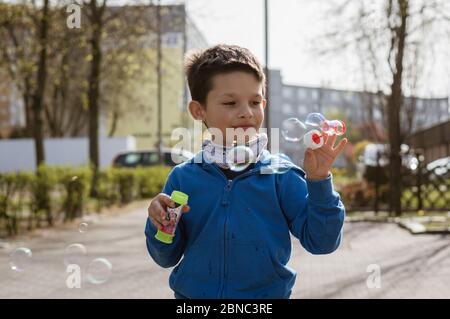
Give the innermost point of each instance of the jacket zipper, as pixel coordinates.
(225, 268)
(228, 190)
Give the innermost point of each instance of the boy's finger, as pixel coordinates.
(149, 210)
(340, 146)
(325, 138)
(165, 199)
(331, 140)
(156, 223)
(160, 214)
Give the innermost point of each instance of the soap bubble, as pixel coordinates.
(276, 168)
(99, 271)
(75, 254)
(334, 127)
(315, 119)
(240, 157)
(329, 127)
(83, 227)
(278, 165)
(292, 129)
(313, 139)
(20, 259)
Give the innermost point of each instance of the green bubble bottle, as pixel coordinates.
(167, 233)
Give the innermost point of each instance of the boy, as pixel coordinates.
(235, 241)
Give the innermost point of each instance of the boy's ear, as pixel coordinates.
(197, 110)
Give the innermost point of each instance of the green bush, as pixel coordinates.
(360, 194)
(106, 189)
(43, 185)
(356, 194)
(27, 198)
(125, 180)
(13, 196)
(122, 185)
(76, 183)
(151, 180)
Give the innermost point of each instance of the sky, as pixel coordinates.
(293, 25)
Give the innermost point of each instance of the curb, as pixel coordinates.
(415, 226)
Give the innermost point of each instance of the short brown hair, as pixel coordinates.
(201, 66)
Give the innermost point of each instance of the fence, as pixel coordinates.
(19, 154)
(423, 186)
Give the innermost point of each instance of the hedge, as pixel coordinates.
(56, 194)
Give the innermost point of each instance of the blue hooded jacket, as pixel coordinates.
(235, 240)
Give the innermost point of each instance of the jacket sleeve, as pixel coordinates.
(314, 211)
(166, 255)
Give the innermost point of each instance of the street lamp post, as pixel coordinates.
(266, 54)
(159, 80)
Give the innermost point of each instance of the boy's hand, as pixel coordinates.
(318, 162)
(157, 210)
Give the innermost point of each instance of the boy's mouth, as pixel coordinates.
(248, 132)
(244, 127)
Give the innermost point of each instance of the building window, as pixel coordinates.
(302, 109)
(287, 109)
(315, 95)
(334, 96)
(302, 94)
(287, 92)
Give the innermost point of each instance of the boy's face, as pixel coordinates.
(235, 101)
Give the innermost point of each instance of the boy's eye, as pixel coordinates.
(256, 102)
(229, 103)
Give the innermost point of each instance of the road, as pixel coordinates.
(410, 266)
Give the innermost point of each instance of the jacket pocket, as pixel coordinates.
(250, 267)
(197, 275)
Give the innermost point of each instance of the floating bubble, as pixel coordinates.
(99, 271)
(239, 158)
(279, 168)
(20, 259)
(329, 127)
(277, 165)
(313, 139)
(83, 227)
(315, 119)
(75, 254)
(334, 127)
(293, 130)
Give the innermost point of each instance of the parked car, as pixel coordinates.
(379, 152)
(150, 157)
(440, 167)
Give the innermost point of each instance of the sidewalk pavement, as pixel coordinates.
(411, 266)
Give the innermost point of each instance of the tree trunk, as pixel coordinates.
(40, 87)
(394, 104)
(28, 109)
(93, 95)
(114, 120)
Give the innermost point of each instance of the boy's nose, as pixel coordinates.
(246, 111)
